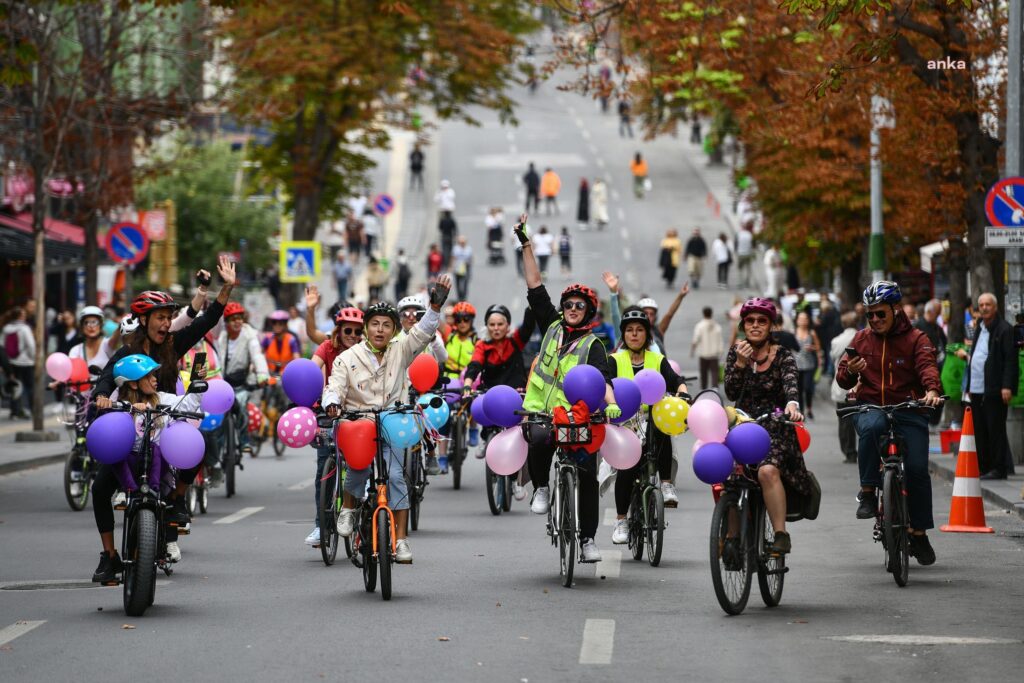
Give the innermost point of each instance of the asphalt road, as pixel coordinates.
(483, 601)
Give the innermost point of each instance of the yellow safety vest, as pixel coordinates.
(544, 386)
(624, 364)
(460, 352)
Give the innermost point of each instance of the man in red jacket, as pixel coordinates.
(894, 363)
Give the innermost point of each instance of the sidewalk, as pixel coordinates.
(16, 456)
(1006, 493)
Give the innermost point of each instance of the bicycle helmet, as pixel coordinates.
(583, 292)
(464, 308)
(759, 305)
(279, 315)
(500, 310)
(381, 308)
(129, 325)
(411, 302)
(233, 308)
(150, 301)
(882, 292)
(133, 368)
(647, 302)
(634, 314)
(90, 311)
(349, 315)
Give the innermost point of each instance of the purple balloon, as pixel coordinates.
(182, 445)
(303, 382)
(500, 404)
(584, 383)
(218, 398)
(652, 386)
(749, 443)
(110, 437)
(476, 409)
(712, 463)
(627, 397)
(179, 388)
(453, 390)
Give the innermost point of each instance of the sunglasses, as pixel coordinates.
(881, 315)
(410, 314)
(463, 318)
(357, 331)
(91, 322)
(578, 305)
(758, 321)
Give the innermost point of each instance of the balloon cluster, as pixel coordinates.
(64, 369)
(718, 447)
(303, 383)
(111, 437)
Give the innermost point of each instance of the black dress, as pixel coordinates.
(583, 208)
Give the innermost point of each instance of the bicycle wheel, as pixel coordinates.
(635, 522)
(732, 583)
(230, 460)
(506, 500)
(204, 499)
(191, 500)
(654, 523)
(894, 528)
(278, 445)
(77, 478)
(455, 452)
(384, 553)
(329, 503)
(140, 575)
(416, 485)
(567, 525)
(493, 494)
(364, 545)
(771, 569)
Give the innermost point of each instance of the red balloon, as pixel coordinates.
(255, 417)
(423, 373)
(79, 371)
(803, 436)
(357, 441)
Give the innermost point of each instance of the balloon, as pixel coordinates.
(218, 398)
(476, 409)
(423, 373)
(179, 388)
(675, 367)
(652, 386)
(621, 447)
(708, 395)
(453, 390)
(58, 366)
(502, 402)
(297, 427)
(670, 415)
(109, 327)
(708, 421)
(110, 437)
(79, 371)
(506, 451)
(584, 383)
(357, 441)
(211, 422)
(400, 430)
(749, 443)
(182, 445)
(435, 417)
(255, 417)
(696, 446)
(303, 382)
(627, 396)
(803, 436)
(712, 463)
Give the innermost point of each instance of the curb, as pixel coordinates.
(994, 497)
(30, 463)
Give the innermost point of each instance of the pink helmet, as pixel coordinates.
(759, 305)
(349, 315)
(279, 315)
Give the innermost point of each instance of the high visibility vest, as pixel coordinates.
(624, 364)
(460, 352)
(544, 386)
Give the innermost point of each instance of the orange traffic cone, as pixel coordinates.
(967, 513)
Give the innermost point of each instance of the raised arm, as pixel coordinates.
(666, 319)
(312, 301)
(530, 268)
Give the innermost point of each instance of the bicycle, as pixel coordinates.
(742, 536)
(892, 519)
(332, 487)
(458, 449)
(645, 519)
(79, 466)
(273, 404)
(563, 513)
(414, 471)
(499, 486)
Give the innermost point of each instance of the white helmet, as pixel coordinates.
(90, 311)
(129, 325)
(647, 303)
(411, 302)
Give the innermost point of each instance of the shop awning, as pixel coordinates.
(56, 230)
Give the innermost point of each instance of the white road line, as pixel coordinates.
(621, 214)
(624, 233)
(910, 639)
(610, 564)
(18, 629)
(301, 485)
(586, 135)
(241, 514)
(627, 254)
(609, 516)
(598, 641)
(510, 136)
(396, 188)
(615, 195)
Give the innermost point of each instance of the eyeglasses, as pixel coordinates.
(412, 313)
(578, 305)
(463, 318)
(758, 321)
(91, 322)
(881, 315)
(357, 331)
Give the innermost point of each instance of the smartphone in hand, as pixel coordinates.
(198, 363)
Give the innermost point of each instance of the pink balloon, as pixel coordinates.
(297, 427)
(675, 367)
(621, 447)
(708, 421)
(696, 446)
(506, 452)
(58, 366)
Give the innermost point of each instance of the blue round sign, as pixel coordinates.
(383, 204)
(127, 243)
(1004, 204)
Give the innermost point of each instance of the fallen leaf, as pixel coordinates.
(127, 627)
(497, 604)
(799, 621)
(545, 590)
(443, 639)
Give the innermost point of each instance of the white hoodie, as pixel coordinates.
(26, 342)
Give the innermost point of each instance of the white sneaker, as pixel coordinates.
(403, 555)
(590, 551)
(120, 500)
(518, 492)
(541, 501)
(346, 522)
(668, 492)
(174, 551)
(620, 534)
(314, 537)
(481, 453)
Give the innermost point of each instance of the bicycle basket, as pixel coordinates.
(569, 429)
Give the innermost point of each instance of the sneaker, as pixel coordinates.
(474, 436)
(668, 492)
(75, 489)
(247, 450)
(620, 534)
(481, 453)
(403, 555)
(179, 514)
(346, 522)
(432, 467)
(732, 560)
(173, 551)
(442, 462)
(868, 507)
(120, 500)
(314, 537)
(589, 551)
(108, 568)
(519, 492)
(782, 544)
(921, 548)
(216, 475)
(541, 501)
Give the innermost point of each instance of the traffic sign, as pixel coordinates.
(299, 261)
(155, 224)
(127, 243)
(383, 204)
(1004, 203)
(999, 237)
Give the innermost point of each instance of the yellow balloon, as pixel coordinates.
(731, 413)
(670, 415)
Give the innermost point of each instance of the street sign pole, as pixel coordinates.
(1014, 141)
(881, 117)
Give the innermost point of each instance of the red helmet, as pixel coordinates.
(150, 301)
(464, 308)
(583, 292)
(348, 315)
(233, 308)
(759, 305)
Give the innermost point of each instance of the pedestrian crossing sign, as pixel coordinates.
(299, 261)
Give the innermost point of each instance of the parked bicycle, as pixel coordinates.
(79, 466)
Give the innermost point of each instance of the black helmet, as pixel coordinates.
(634, 314)
(500, 310)
(381, 308)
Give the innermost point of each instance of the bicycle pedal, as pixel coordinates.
(120, 507)
(115, 582)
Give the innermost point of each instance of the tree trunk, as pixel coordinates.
(956, 264)
(850, 280)
(307, 211)
(38, 293)
(92, 258)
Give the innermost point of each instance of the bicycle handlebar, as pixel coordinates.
(596, 417)
(169, 411)
(913, 404)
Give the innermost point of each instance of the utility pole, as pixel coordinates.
(881, 117)
(1014, 140)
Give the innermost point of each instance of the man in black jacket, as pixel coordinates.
(992, 376)
(532, 182)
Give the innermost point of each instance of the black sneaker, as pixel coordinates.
(108, 568)
(178, 514)
(921, 548)
(868, 507)
(782, 545)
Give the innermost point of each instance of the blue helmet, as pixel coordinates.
(882, 292)
(133, 368)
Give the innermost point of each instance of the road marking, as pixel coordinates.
(598, 641)
(909, 639)
(301, 485)
(518, 161)
(609, 516)
(621, 213)
(586, 134)
(512, 149)
(396, 188)
(615, 195)
(18, 629)
(627, 254)
(241, 514)
(610, 564)
(579, 122)
(510, 136)
(624, 233)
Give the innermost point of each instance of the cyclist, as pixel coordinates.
(459, 347)
(373, 375)
(568, 341)
(761, 377)
(95, 349)
(636, 355)
(243, 364)
(280, 347)
(411, 310)
(895, 362)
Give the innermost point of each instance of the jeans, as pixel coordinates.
(323, 454)
(805, 386)
(26, 375)
(913, 429)
(708, 372)
(462, 286)
(398, 492)
(342, 289)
